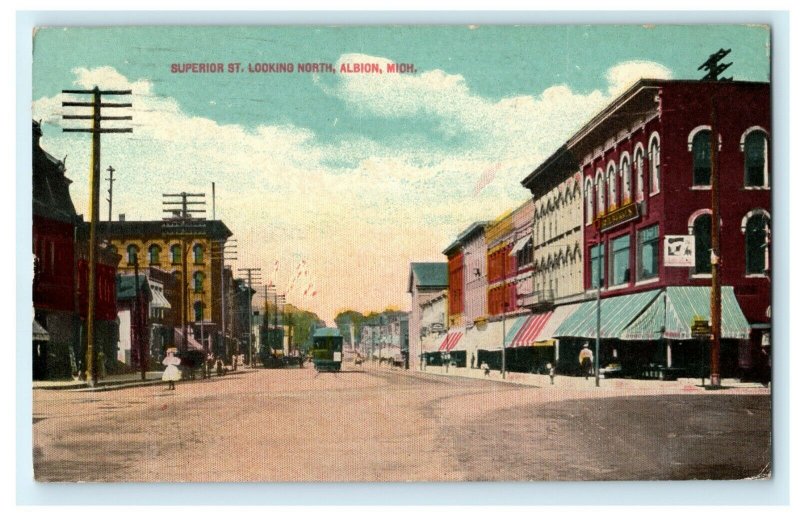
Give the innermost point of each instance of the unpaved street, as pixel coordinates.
(382, 425)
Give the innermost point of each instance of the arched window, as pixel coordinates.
(175, 253)
(133, 251)
(655, 164)
(198, 281)
(701, 229)
(197, 252)
(601, 193)
(756, 159)
(588, 192)
(154, 253)
(701, 158)
(638, 163)
(198, 311)
(756, 238)
(625, 178)
(611, 179)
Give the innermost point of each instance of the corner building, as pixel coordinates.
(645, 164)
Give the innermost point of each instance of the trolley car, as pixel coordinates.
(326, 351)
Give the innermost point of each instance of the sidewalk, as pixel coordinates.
(576, 382)
(119, 381)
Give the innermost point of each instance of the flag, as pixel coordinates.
(486, 178)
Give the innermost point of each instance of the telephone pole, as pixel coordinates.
(225, 251)
(184, 225)
(253, 273)
(96, 117)
(714, 69)
(110, 189)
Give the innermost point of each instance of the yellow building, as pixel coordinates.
(153, 245)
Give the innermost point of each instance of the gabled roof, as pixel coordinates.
(428, 275)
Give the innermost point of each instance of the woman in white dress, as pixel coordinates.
(171, 374)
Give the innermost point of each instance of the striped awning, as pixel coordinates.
(529, 332)
(451, 340)
(684, 304)
(159, 301)
(512, 328)
(519, 245)
(616, 313)
(559, 315)
(650, 324)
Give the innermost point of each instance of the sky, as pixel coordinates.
(346, 178)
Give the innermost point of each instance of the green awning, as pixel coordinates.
(686, 303)
(650, 324)
(616, 313)
(512, 331)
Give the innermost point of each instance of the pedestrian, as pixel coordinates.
(472, 362)
(551, 369)
(585, 359)
(485, 368)
(171, 374)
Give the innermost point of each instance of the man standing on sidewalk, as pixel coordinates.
(585, 358)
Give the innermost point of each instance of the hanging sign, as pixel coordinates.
(679, 251)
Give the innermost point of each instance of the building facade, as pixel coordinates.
(425, 281)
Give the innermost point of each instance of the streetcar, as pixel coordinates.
(326, 350)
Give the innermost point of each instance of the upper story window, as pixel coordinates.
(589, 195)
(654, 153)
(701, 158)
(620, 260)
(198, 281)
(611, 178)
(133, 251)
(154, 252)
(175, 253)
(701, 229)
(601, 193)
(756, 152)
(756, 235)
(647, 253)
(197, 252)
(625, 178)
(198, 311)
(638, 163)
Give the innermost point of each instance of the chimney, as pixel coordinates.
(122, 217)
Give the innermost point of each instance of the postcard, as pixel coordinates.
(401, 253)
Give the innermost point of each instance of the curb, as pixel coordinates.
(123, 384)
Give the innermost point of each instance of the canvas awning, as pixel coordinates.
(39, 333)
(684, 304)
(650, 324)
(559, 315)
(529, 332)
(512, 328)
(159, 301)
(451, 341)
(490, 338)
(519, 245)
(616, 313)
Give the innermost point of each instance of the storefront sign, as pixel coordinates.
(619, 216)
(679, 251)
(701, 329)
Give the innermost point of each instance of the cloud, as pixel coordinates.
(624, 75)
(357, 211)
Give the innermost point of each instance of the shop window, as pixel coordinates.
(620, 260)
(701, 158)
(155, 254)
(755, 160)
(701, 229)
(647, 253)
(655, 164)
(756, 243)
(597, 254)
